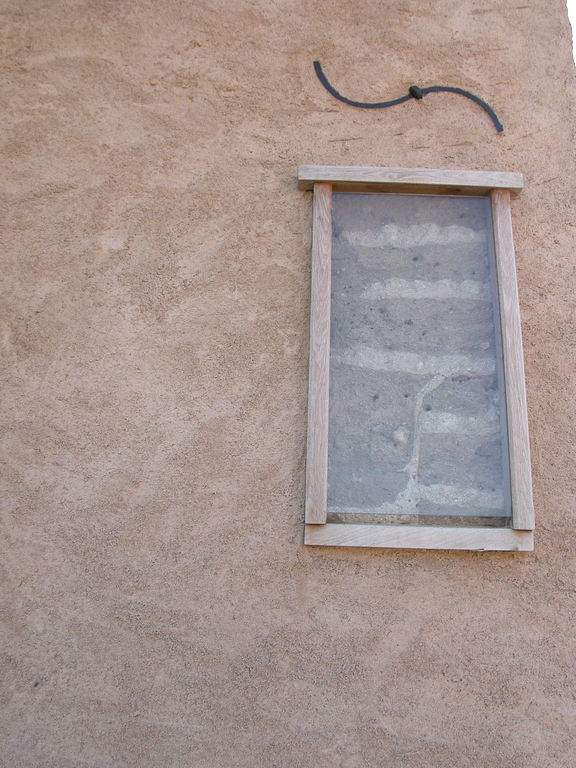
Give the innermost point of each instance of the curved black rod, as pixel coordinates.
(334, 92)
(414, 93)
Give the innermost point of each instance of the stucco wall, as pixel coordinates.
(158, 605)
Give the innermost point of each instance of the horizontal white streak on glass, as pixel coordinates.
(441, 423)
(443, 495)
(408, 362)
(395, 236)
(396, 288)
(453, 496)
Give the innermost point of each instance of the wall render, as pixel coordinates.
(158, 606)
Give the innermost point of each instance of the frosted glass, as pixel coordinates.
(417, 426)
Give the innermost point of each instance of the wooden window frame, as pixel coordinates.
(500, 187)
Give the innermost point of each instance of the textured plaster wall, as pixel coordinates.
(158, 606)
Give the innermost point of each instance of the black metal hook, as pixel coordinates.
(414, 92)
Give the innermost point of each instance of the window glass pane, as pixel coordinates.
(417, 427)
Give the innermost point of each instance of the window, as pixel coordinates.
(417, 419)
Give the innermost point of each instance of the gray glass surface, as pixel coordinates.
(417, 421)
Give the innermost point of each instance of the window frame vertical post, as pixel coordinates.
(319, 371)
(516, 405)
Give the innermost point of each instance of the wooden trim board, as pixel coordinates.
(318, 381)
(516, 408)
(410, 180)
(418, 537)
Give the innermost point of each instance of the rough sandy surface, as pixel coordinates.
(158, 606)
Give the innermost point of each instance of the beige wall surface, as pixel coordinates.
(158, 606)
